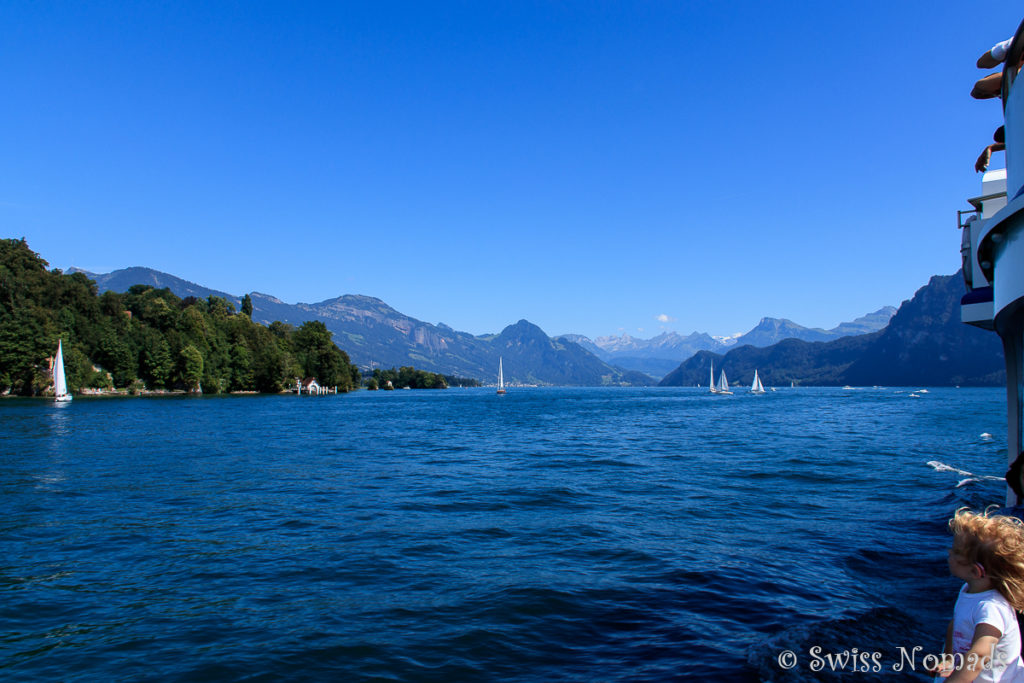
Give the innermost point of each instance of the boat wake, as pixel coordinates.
(969, 477)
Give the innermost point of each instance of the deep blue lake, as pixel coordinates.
(544, 535)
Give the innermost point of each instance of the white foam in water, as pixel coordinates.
(969, 476)
(942, 467)
(986, 436)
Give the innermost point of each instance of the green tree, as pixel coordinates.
(242, 376)
(157, 363)
(147, 334)
(219, 307)
(192, 368)
(115, 355)
(247, 306)
(319, 357)
(271, 369)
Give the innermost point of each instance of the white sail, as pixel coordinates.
(756, 387)
(723, 384)
(60, 386)
(501, 378)
(711, 382)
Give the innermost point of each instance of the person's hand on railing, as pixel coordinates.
(981, 165)
(999, 145)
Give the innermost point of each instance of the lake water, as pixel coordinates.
(544, 535)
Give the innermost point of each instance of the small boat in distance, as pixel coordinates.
(501, 378)
(711, 382)
(60, 385)
(723, 385)
(756, 387)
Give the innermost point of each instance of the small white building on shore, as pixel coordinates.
(311, 387)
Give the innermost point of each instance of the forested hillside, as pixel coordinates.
(147, 338)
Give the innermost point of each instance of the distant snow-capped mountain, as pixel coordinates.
(667, 350)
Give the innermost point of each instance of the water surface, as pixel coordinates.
(544, 535)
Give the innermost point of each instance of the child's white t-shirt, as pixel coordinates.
(989, 607)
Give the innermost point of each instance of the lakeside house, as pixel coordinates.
(311, 387)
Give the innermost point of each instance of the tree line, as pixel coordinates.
(147, 337)
(406, 376)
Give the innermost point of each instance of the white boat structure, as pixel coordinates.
(756, 387)
(711, 381)
(501, 378)
(992, 249)
(60, 384)
(723, 385)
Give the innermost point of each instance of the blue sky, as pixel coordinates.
(588, 166)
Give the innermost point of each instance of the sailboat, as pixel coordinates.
(501, 378)
(756, 387)
(711, 382)
(60, 385)
(723, 385)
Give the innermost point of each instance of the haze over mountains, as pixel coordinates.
(662, 354)
(879, 348)
(925, 344)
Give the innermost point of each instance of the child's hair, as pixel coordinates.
(996, 542)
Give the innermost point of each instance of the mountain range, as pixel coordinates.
(662, 354)
(924, 344)
(376, 335)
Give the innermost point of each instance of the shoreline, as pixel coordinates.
(146, 393)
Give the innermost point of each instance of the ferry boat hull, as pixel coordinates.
(993, 258)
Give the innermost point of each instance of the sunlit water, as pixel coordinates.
(544, 535)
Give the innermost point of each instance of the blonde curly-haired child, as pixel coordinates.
(983, 639)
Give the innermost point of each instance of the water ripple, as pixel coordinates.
(558, 535)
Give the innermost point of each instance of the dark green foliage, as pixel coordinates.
(271, 368)
(146, 337)
(157, 363)
(408, 377)
(319, 357)
(453, 381)
(191, 367)
(242, 375)
(247, 306)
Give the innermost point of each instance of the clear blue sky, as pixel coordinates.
(588, 166)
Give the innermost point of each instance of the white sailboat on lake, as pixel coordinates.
(711, 382)
(723, 385)
(501, 378)
(756, 387)
(60, 385)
